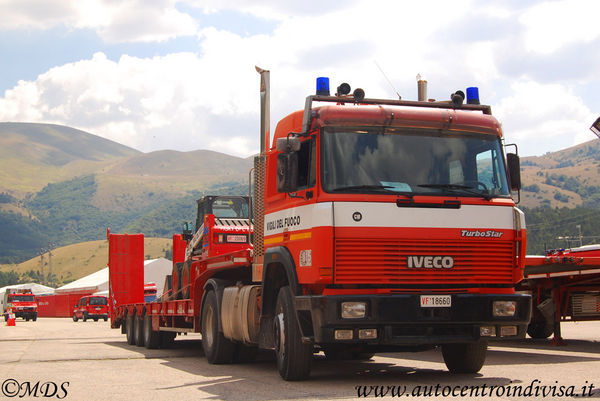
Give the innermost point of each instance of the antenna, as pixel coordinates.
(387, 79)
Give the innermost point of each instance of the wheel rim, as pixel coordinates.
(207, 334)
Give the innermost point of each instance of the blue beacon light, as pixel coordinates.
(473, 95)
(322, 86)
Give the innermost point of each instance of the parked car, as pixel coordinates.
(91, 307)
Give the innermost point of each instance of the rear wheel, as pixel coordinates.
(138, 327)
(216, 347)
(293, 356)
(151, 337)
(464, 358)
(129, 329)
(84, 316)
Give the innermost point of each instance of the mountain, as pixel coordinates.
(567, 178)
(33, 155)
(61, 186)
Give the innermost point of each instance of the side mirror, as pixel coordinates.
(287, 172)
(514, 171)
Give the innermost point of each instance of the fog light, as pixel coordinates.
(367, 334)
(343, 334)
(354, 310)
(487, 331)
(507, 331)
(504, 308)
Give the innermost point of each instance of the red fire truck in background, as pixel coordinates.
(21, 302)
(377, 226)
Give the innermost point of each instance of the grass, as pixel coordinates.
(75, 261)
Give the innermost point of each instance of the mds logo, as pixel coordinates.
(430, 262)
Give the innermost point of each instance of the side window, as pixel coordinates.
(307, 164)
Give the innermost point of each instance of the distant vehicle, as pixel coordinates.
(91, 307)
(21, 301)
(150, 290)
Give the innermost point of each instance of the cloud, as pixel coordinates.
(207, 97)
(544, 117)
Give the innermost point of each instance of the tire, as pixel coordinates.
(540, 329)
(294, 358)
(167, 338)
(34, 318)
(75, 317)
(84, 317)
(129, 329)
(138, 330)
(105, 318)
(27, 318)
(151, 337)
(465, 358)
(217, 348)
(95, 319)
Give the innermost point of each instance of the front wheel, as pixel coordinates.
(216, 347)
(294, 357)
(34, 318)
(464, 358)
(75, 317)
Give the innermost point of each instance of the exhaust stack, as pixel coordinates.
(421, 88)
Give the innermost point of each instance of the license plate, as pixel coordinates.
(436, 301)
(236, 238)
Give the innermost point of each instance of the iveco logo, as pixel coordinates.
(357, 216)
(430, 262)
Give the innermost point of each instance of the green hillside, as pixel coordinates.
(33, 155)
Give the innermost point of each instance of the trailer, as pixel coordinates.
(372, 225)
(565, 286)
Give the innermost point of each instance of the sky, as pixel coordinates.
(168, 74)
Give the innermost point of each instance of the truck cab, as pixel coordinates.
(22, 302)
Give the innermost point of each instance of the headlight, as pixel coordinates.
(354, 310)
(504, 308)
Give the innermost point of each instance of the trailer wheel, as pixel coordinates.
(151, 337)
(540, 329)
(293, 357)
(138, 327)
(464, 358)
(129, 329)
(216, 347)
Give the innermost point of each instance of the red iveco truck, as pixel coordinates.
(377, 226)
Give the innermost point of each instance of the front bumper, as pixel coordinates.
(400, 319)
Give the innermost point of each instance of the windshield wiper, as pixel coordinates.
(359, 187)
(458, 188)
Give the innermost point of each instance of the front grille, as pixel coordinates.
(384, 261)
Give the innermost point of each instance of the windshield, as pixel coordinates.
(97, 301)
(22, 298)
(234, 207)
(413, 161)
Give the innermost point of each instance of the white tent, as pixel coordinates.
(37, 289)
(155, 271)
